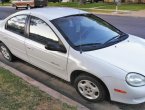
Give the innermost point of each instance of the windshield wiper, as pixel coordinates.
(112, 39)
(93, 44)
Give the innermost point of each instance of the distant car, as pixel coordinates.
(97, 58)
(29, 3)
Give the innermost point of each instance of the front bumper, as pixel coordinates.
(133, 95)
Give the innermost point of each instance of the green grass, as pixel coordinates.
(131, 7)
(6, 4)
(98, 11)
(16, 94)
(76, 5)
(100, 5)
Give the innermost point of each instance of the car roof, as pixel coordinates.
(53, 12)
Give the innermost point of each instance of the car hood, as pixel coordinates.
(128, 55)
(1, 22)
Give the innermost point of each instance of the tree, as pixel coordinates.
(3, 1)
(82, 2)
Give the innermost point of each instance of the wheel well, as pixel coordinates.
(28, 4)
(7, 47)
(76, 73)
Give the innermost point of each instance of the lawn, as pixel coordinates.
(100, 5)
(16, 94)
(5, 4)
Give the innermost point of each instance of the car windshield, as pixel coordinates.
(87, 30)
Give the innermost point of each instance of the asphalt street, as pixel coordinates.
(130, 25)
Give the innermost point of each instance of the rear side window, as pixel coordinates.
(17, 24)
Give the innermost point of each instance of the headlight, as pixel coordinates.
(135, 79)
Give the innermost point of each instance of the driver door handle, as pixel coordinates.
(28, 48)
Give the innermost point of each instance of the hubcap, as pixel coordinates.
(5, 52)
(88, 89)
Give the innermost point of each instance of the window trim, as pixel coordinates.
(28, 31)
(24, 35)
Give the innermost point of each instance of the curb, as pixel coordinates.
(117, 14)
(44, 88)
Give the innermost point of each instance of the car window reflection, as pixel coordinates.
(41, 32)
(17, 24)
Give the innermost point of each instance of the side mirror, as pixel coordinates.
(54, 46)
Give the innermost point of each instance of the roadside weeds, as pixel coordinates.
(44, 88)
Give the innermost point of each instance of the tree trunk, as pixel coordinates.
(82, 2)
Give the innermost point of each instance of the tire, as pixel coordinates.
(6, 52)
(90, 88)
(28, 7)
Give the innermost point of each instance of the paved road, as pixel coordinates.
(130, 25)
(4, 12)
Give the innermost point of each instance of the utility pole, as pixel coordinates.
(117, 2)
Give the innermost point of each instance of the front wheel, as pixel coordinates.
(6, 53)
(16, 7)
(90, 88)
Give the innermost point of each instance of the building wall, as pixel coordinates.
(142, 1)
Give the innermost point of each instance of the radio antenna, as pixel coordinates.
(79, 30)
(81, 44)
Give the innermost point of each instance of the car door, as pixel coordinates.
(40, 34)
(15, 36)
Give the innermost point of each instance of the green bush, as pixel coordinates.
(5, 1)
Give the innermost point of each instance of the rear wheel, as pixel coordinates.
(6, 52)
(16, 7)
(90, 88)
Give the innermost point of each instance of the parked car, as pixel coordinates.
(97, 58)
(29, 3)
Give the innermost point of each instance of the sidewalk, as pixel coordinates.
(140, 13)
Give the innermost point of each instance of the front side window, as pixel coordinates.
(17, 24)
(87, 30)
(41, 32)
